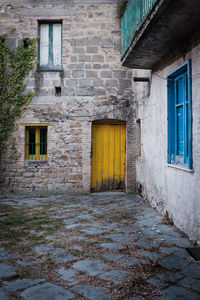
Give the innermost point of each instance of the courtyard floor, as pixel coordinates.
(99, 247)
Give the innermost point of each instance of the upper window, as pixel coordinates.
(36, 142)
(50, 45)
(180, 117)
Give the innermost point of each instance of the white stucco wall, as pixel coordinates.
(173, 190)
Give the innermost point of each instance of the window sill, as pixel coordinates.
(49, 70)
(179, 167)
(37, 161)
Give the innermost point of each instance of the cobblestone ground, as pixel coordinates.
(97, 247)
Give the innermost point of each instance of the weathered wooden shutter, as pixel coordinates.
(57, 44)
(44, 44)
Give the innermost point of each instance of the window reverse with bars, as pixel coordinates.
(36, 143)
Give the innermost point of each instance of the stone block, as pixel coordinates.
(100, 92)
(78, 74)
(112, 83)
(10, 42)
(107, 43)
(68, 91)
(92, 50)
(84, 91)
(106, 74)
(121, 74)
(48, 12)
(97, 83)
(78, 50)
(79, 42)
(94, 41)
(85, 83)
(84, 58)
(125, 83)
(98, 58)
(91, 74)
(71, 82)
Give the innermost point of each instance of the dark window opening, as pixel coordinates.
(58, 90)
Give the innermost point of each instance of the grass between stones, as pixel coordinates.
(25, 224)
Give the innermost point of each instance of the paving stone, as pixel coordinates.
(92, 267)
(170, 277)
(167, 229)
(112, 246)
(77, 247)
(21, 283)
(118, 237)
(190, 283)
(167, 250)
(131, 261)
(127, 229)
(158, 283)
(192, 271)
(3, 294)
(69, 221)
(7, 270)
(116, 276)
(74, 225)
(46, 249)
(173, 262)
(146, 244)
(148, 222)
(178, 241)
(67, 275)
(174, 293)
(46, 291)
(85, 216)
(114, 257)
(26, 262)
(64, 257)
(149, 254)
(91, 292)
(93, 230)
(4, 255)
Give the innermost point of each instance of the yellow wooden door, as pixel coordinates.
(108, 157)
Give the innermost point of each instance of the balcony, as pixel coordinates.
(154, 29)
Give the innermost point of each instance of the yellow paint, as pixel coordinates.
(37, 154)
(33, 125)
(108, 156)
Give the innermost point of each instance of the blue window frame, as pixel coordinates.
(180, 116)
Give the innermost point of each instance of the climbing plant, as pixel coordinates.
(14, 67)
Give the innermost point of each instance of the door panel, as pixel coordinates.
(108, 157)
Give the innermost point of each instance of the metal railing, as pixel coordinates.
(135, 13)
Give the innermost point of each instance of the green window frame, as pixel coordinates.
(50, 45)
(36, 142)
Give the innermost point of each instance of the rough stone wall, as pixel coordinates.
(93, 86)
(170, 189)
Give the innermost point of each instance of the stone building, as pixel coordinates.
(166, 40)
(80, 87)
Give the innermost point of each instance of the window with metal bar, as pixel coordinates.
(36, 143)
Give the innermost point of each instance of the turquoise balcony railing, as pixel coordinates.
(133, 17)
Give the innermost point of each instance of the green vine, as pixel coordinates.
(14, 67)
